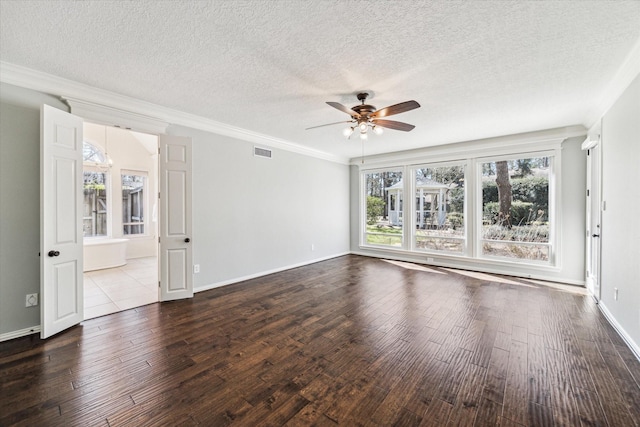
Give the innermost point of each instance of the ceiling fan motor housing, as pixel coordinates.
(364, 109)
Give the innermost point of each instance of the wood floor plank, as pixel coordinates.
(515, 405)
(349, 341)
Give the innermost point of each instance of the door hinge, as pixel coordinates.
(158, 150)
(158, 239)
(587, 193)
(159, 284)
(158, 194)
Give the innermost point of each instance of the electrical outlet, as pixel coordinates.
(196, 268)
(429, 259)
(313, 247)
(31, 300)
(615, 294)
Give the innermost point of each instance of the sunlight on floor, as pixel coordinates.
(116, 289)
(411, 266)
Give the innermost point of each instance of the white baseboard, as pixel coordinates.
(20, 333)
(264, 273)
(635, 348)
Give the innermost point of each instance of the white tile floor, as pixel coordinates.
(116, 289)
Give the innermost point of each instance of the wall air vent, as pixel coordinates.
(262, 152)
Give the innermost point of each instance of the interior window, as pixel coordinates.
(95, 178)
(133, 203)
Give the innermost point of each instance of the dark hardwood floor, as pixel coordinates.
(350, 341)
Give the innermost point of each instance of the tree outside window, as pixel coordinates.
(515, 209)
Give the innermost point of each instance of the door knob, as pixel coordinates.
(595, 235)
(53, 253)
(187, 240)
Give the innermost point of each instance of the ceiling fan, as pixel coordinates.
(365, 116)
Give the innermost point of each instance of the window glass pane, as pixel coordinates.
(439, 205)
(384, 203)
(91, 153)
(515, 208)
(95, 204)
(133, 204)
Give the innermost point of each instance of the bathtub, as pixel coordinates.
(102, 253)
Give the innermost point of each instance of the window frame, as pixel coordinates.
(471, 157)
(363, 209)
(145, 206)
(553, 191)
(104, 167)
(414, 221)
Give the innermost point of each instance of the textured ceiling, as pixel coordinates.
(478, 68)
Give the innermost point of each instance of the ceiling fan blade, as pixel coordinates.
(396, 109)
(392, 124)
(344, 109)
(328, 124)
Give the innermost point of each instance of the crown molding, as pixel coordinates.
(114, 117)
(109, 106)
(548, 139)
(627, 72)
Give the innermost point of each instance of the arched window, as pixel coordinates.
(92, 154)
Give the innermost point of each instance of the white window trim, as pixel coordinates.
(554, 156)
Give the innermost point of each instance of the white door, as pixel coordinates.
(593, 221)
(61, 194)
(176, 277)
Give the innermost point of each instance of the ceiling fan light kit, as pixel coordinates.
(365, 116)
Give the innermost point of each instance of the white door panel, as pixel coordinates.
(61, 196)
(176, 277)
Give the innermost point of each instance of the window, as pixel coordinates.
(439, 207)
(383, 208)
(488, 209)
(133, 203)
(92, 154)
(516, 208)
(95, 178)
(95, 204)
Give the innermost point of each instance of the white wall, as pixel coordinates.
(254, 215)
(620, 235)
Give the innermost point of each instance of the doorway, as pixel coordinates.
(593, 217)
(62, 226)
(120, 224)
